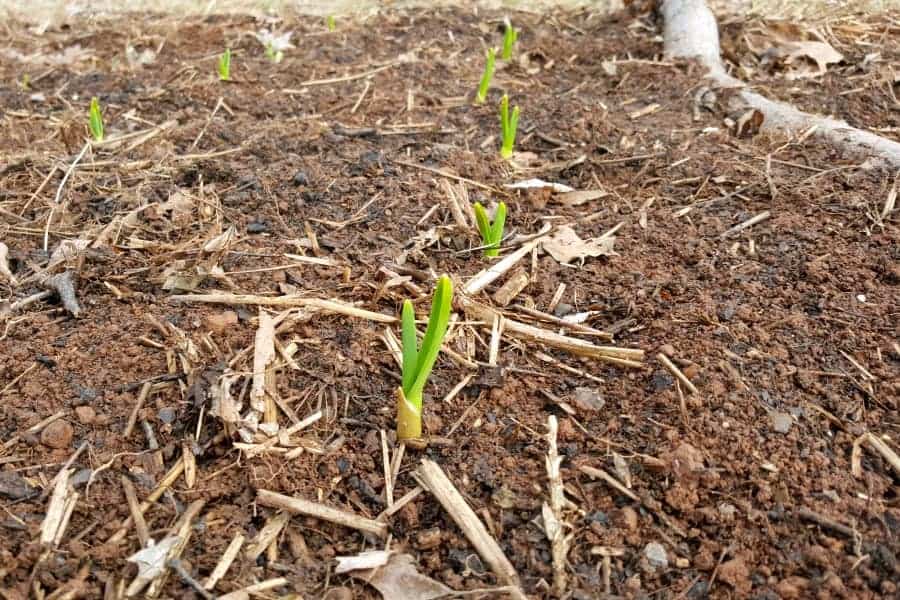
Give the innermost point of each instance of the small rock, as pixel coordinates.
(167, 415)
(588, 399)
(428, 539)
(81, 477)
(57, 434)
(661, 380)
(220, 322)
(14, 487)
(627, 518)
(668, 350)
(781, 421)
(30, 439)
(85, 414)
(656, 555)
(258, 227)
(300, 178)
(562, 309)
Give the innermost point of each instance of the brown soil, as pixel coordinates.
(765, 323)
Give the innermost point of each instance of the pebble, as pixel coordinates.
(81, 477)
(85, 414)
(656, 555)
(300, 178)
(668, 350)
(167, 415)
(627, 518)
(781, 422)
(57, 434)
(258, 227)
(588, 399)
(220, 322)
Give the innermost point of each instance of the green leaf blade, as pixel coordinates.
(408, 344)
(438, 321)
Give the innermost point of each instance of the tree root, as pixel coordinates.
(690, 31)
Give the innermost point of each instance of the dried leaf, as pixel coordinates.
(565, 245)
(748, 124)
(263, 354)
(364, 560)
(4, 265)
(819, 52)
(397, 579)
(539, 183)
(580, 197)
(151, 562)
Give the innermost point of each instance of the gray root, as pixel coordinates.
(64, 286)
(690, 31)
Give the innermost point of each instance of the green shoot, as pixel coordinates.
(25, 82)
(510, 35)
(486, 76)
(225, 65)
(508, 125)
(418, 361)
(491, 233)
(95, 122)
(331, 23)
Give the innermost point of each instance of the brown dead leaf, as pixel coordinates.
(580, 197)
(748, 124)
(565, 245)
(820, 53)
(395, 579)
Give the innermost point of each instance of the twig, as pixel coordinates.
(262, 586)
(553, 512)
(320, 511)
(488, 275)
(225, 561)
(290, 300)
(670, 366)
(748, 223)
(140, 526)
(440, 486)
(59, 190)
(139, 403)
(177, 566)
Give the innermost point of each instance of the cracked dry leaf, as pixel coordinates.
(818, 52)
(565, 245)
(397, 579)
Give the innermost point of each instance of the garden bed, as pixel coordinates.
(330, 176)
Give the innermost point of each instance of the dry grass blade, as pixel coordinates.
(225, 561)
(332, 306)
(440, 486)
(554, 524)
(326, 513)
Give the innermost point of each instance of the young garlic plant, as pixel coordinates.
(225, 65)
(95, 120)
(491, 231)
(418, 361)
(510, 35)
(508, 124)
(486, 76)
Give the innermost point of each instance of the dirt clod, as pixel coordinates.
(57, 434)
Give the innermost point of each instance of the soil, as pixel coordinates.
(788, 329)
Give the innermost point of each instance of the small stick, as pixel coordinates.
(814, 517)
(311, 82)
(264, 538)
(490, 274)
(748, 223)
(319, 511)
(171, 477)
(496, 334)
(132, 418)
(601, 474)
(177, 566)
(225, 561)
(59, 190)
(9, 385)
(289, 300)
(262, 586)
(386, 463)
(553, 512)
(670, 366)
(440, 486)
(140, 525)
(403, 501)
(182, 530)
(448, 175)
(575, 327)
(65, 467)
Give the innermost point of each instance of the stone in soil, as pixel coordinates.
(781, 422)
(57, 434)
(656, 556)
(222, 321)
(85, 414)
